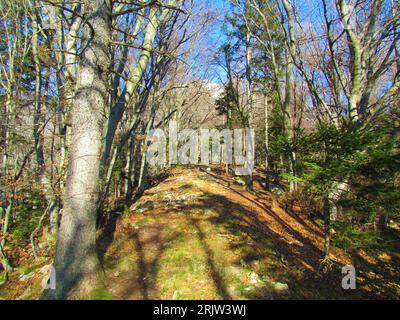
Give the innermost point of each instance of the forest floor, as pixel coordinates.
(200, 235)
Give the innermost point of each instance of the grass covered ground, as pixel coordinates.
(199, 235)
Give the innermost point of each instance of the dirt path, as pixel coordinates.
(199, 236)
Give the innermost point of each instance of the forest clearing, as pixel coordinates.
(199, 150)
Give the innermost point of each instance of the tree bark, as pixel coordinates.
(250, 116)
(267, 182)
(4, 260)
(37, 136)
(129, 168)
(76, 264)
(291, 51)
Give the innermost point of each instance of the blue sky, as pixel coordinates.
(309, 11)
(212, 40)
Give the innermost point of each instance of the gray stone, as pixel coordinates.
(25, 277)
(280, 288)
(145, 207)
(254, 278)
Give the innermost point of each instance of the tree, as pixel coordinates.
(76, 255)
(364, 38)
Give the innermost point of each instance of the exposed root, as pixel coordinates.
(325, 265)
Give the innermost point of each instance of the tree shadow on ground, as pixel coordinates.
(219, 283)
(148, 239)
(293, 262)
(254, 236)
(379, 275)
(142, 248)
(107, 225)
(298, 256)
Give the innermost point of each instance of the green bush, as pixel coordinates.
(27, 215)
(352, 238)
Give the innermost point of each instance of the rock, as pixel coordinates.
(184, 198)
(280, 288)
(25, 277)
(243, 263)
(145, 207)
(117, 274)
(240, 182)
(393, 225)
(209, 170)
(277, 189)
(234, 271)
(232, 291)
(254, 278)
(249, 289)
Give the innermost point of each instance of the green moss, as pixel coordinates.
(24, 270)
(100, 293)
(2, 278)
(143, 222)
(126, 264)
(160, 195)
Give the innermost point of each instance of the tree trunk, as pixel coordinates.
(339, 192)
(288, 117)
(326, 262)
(37, 136)
(250, 119)
(4, 260)
(8, 143)
(267, 182)
(133, 82)
(129, 168)
(293, 169)
(76, 264)
(142, 181)
(227, 127)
